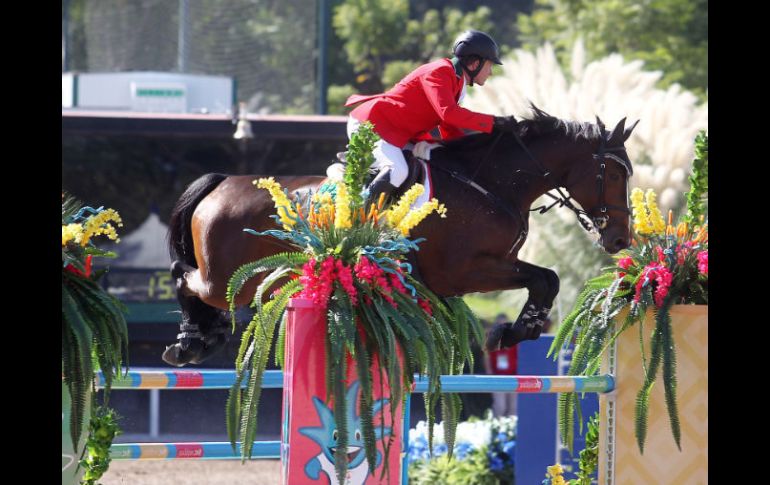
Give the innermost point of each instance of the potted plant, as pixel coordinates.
(666, 265)
(94, 337)
(349, 259)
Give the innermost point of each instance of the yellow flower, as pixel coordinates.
(71, 232)
(101, 223)
(397, 212)
(656, 218)
(642, 223)
(555, 470)
(417, 215)
(343, 220)
(282, 203)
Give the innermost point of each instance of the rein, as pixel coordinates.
(586, 220)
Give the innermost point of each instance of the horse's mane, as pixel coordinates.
(530, 129)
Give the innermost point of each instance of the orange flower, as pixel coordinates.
(681, 231)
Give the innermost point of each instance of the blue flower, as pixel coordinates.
(496, 464)
(509, 447)
(462, 449)
(418, 449)
(501, 436)
(417, 454)
(440, 449)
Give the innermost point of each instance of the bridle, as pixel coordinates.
(587, 220)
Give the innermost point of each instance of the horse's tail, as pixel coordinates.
(180, 241)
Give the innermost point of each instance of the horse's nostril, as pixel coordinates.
(621, 243)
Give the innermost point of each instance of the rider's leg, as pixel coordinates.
(389, 160)
(393, 170)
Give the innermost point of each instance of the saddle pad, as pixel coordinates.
(336, 171)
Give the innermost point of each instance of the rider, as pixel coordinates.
(428, 97)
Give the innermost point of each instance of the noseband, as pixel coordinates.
(588, 221)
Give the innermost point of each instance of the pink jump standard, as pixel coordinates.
(308, 433)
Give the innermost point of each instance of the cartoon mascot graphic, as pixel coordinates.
(326, 438)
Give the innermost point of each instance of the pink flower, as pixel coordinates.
(662, 276)
(661, 255)
(682, 251)
(396, 283)
(626, 262)
(425, 305)
(703, 262)
(345, 277)
(318, 287)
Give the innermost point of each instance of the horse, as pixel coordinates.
(488, 183)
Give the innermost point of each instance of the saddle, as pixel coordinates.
(415, 165)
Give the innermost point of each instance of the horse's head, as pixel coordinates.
(600, 185)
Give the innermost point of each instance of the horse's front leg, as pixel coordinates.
(543, 285)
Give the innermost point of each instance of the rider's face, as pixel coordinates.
(485, 72)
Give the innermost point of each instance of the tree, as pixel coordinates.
(267, 46)
(668, 35)
(383, 44)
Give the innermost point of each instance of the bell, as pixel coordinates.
(243, 128)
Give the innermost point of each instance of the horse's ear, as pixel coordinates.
(628, 131)
(617, 133)
(599, 122)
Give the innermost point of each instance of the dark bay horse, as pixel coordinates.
(487, 182)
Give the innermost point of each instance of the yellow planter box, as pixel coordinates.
(620, 462)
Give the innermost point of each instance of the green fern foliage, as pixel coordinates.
(94, 331)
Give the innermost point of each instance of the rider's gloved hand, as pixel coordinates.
(505, 123)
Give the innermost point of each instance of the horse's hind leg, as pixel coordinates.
(203, 330)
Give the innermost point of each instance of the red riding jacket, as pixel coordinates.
(418, 103)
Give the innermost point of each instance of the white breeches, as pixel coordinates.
(385, 156)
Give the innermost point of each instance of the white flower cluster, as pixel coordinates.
(661, 146)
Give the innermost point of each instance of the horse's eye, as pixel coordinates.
(334, 435)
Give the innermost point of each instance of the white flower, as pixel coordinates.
(476, 433)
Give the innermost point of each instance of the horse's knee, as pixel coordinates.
(552, 281)
(539, 287)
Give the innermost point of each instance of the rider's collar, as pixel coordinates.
(458, 67)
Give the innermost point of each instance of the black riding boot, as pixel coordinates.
(381, 185)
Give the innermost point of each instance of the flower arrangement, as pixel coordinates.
(349, 259)
(666, 264)
(94, 332)
(484, 451)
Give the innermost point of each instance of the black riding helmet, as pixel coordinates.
(475, 44)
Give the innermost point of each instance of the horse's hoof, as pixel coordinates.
(495, 335)
(178, 357)
(195, 353)
(514, 334)
(211, 348)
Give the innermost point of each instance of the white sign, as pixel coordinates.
(159, 97)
